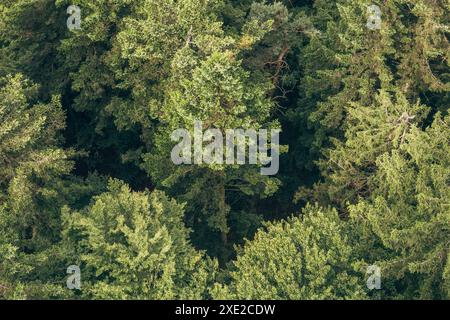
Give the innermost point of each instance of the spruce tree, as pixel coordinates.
(407, 216)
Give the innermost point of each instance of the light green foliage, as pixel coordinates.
(373, 130)
(209, 82)
(307, 257)
(27, 127)
(134, 245)
(356, 74)
(31, 161)
(31, 190)
(408, 215)
(346, 63)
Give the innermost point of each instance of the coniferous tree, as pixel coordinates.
(31, 168)
(307, 257)
(135, 245)
(407, 216)
(365, 126)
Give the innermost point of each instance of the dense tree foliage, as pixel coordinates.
(135, 245)
(301, 258)
(86, 124)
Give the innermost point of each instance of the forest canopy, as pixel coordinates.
(343, 107)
